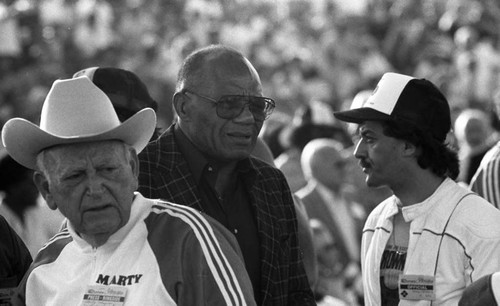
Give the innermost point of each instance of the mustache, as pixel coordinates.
(363, 163)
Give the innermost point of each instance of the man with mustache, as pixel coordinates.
(432, 238)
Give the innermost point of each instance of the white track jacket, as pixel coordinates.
(454, 237)
(166, 254)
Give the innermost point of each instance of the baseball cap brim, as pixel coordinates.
(359, 115)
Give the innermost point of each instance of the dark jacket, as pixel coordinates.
(165, 174)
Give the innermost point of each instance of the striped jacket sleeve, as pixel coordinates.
(210, 265)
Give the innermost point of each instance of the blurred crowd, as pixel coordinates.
(326, 50)
(313, 57)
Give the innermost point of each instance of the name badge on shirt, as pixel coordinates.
(104, 295)
(416, 287)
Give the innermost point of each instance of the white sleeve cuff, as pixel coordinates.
(495, 285)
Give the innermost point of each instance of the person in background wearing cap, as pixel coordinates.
(116, 246)
(127, 92)
(203, 161)
(432, 238)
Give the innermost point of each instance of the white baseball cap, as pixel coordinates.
(404, 98)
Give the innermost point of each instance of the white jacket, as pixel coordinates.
(166, 254)
(454, 236)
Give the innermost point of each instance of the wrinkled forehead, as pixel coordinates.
(81, 151)
(235, 70)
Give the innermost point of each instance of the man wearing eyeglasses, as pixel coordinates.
(203, 161)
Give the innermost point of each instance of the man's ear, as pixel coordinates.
(181, 103)
(410, 149)
(134, 165)
(134, 162)
(42, 183)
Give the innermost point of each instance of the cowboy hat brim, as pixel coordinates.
(26, 140)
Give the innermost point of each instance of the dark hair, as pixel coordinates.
(436, 155)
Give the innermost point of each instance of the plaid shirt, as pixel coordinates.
(165, 174)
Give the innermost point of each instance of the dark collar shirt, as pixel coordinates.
(259, 207)
(232, 208)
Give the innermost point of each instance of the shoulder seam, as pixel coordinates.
(64, 234)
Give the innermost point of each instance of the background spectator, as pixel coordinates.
(326, 50)
(23, 207)
(475, 136)
(485, 181)
(311, 121)
(324, 163)
(15, 260)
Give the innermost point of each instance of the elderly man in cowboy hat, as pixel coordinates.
(117, 247)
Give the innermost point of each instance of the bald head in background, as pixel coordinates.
(324, 160)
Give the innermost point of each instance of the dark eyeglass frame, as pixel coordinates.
(268, 109)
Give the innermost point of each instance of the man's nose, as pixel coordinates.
(246, 114)
(95, 185)
(360, 150)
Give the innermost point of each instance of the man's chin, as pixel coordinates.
(101, 229)
(238, 154)
(370, 182)
(102, 226)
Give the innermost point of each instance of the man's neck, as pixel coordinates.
(417, 188)
(224, 176)
(95, 240)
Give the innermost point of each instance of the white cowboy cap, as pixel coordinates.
(74, 111)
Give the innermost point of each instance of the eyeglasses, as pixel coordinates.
(231, 106)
